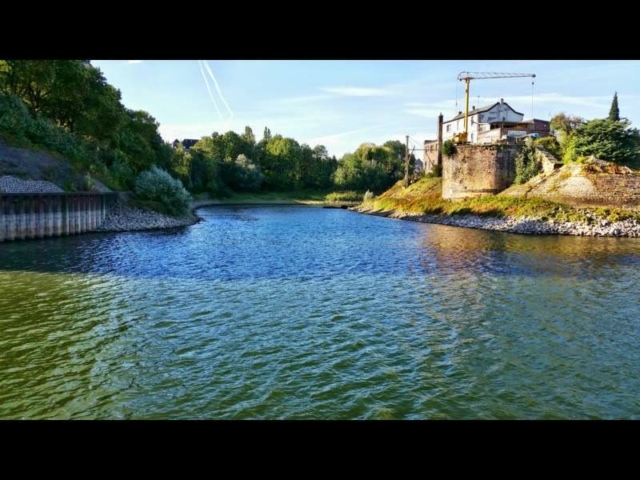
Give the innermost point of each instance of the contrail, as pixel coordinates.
(209, 88)
(217, 87)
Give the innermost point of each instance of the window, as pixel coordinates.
(449, 128)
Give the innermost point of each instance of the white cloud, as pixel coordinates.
(358, 91)
(303, 99)
(131, 62)
(431, 113)
(560, 99)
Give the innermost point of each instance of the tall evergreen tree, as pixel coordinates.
(267, 134)
(614, 112)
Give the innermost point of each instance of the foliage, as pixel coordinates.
(368, 196)
(435, 172)
(527, 164)
(614, 112)
(372, 167)
(349, 196)
(247, 176)
(565, 123)
(68, 108)
(569, 150)
(156, 185)
(607, 140)
(551, 145)
(449, 148)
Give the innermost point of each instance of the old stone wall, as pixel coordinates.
(572, 185)
(477, 170)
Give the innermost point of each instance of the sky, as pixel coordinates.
(343, 103)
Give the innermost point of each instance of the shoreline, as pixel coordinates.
(125, 218)
(524, 226)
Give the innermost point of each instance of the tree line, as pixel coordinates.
(219, 163)
(68, 107)
(611, 138)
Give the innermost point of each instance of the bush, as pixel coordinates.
(435, 172)
(349, 196)
(527, 164)
(156, 185)
(551, 145)
(569, 155)
(449, 148)
(247, 175)
(607, 140)
(15, 119)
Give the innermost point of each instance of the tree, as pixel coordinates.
(267, 134)
(234, 145)
(282, 166)
(247, 174)
(565, 123)
(614, 112)
(31, 80)
(607, 140)
(248, 136)
(320, 152)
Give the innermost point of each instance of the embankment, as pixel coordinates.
(422, 202)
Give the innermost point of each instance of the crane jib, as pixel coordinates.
(467, 77)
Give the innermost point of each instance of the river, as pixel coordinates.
(295, 312)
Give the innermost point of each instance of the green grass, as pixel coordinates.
(296, 196)
(349, 196)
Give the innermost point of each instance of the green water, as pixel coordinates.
(310, 313)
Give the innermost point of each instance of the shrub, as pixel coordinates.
(569, 154)
(14, 117)
(449, 148)
(608, 140)
(551, 145)
(247, 175)
(156, 185)
(88, 183)
(435, 172)
(527, 164)
(349, 196)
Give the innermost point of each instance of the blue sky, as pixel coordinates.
(343, 103)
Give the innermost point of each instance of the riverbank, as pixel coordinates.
(422, 202)
(525, 225)
(124, 217)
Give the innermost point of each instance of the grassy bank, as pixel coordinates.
(424, 197)
(309, 197)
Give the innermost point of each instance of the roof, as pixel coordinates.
(531, 120)
(480, 110)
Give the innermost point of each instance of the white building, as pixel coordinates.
(482, 119)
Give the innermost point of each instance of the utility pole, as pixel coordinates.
(406, 163)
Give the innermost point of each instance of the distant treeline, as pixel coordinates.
(67, 107)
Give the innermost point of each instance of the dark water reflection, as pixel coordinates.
(296, 312)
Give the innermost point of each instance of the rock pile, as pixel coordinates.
(123, 217)
(527, 226)
(9, 184)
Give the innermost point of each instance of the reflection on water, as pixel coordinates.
(297, 312)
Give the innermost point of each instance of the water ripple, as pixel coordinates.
(307, 313)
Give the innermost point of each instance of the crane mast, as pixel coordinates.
(467, 77)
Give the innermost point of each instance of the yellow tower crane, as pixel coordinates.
(467, 77)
